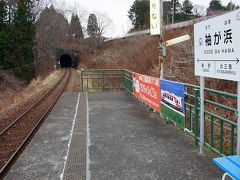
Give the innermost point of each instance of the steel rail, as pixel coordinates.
(34, 105)
(6, 165)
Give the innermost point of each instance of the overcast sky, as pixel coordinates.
(117, 10)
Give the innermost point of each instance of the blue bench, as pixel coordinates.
(229, 164)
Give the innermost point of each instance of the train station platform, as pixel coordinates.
(109, 135)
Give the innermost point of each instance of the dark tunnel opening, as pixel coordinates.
(66, 60)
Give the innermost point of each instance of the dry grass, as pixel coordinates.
(14, 97)
(137, 54)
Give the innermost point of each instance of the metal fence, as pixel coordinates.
(220, 128)
(106, 80)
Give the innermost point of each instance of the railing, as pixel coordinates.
(128, 81)
(220, 131)
(106, 80)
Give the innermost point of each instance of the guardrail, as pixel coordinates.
(106, 80)
(220, 130)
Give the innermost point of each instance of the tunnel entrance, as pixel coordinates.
(66, 60)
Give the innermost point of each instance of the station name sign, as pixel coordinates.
(155, 22)
(217, 47)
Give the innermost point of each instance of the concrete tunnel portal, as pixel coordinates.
(66, 60)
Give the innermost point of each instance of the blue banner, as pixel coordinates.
(172, 94)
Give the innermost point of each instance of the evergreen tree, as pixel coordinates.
(22, 39)
(92, 26)
(214, 7)
(3, 35)
(168, 12)
(75, 27)
(187, 7)
(139, 14)
(79, 27)
(179, 14)
(231, 6)
(3, 14)
(177, 6)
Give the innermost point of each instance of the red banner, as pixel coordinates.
(147, 88)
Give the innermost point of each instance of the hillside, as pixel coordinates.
(140, 54)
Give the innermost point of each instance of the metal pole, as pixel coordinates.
(173, 11)
(238, 119)
(82, 80)
(161, 40)
(162, 70)
(196, 104)
(202, 114)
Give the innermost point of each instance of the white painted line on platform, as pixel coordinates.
(71, 134)
(88, 174)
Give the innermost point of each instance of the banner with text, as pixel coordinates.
(147, 88)
(172, 101)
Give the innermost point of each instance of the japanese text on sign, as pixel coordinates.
(147, 89)
(155, 24)
(217, 47)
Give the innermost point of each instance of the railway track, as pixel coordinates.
(15, 136)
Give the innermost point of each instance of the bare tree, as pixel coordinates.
(180, 61)
(83, 16)
(80, 11)
(112, 56)
(39, 6)
(199, 10)
(51, 30)
(104, 23)
(68, 10)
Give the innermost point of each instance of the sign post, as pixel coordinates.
(161, 40)
(217, 55)
(156, 21)
(202, 85)
(238, 119)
